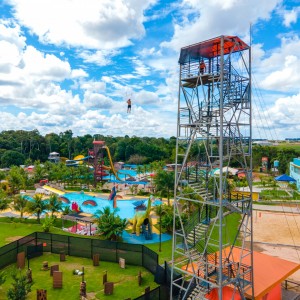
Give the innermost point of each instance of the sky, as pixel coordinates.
(72, 64)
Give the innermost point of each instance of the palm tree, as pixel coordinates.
(54, 204)
(110, 225)
(164, 182)
(37, 206)
(4, 202)
(20, 204)
(145, 169)
(39, 171)
(139, 170)
(15, 179)
(189, 206)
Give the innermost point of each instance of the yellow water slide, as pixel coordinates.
(79, 158)
(111, 163)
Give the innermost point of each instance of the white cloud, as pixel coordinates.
(99, 57)
(282, 119)
(201, 20)
(45, 66)
(93, 86)
(11, 33)
(279, 71)
(146, 52)
(94, 24)
(145, 98)
(140, 68)
(290, 17)
(78, 73)
(97, 101)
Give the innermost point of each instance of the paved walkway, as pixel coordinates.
(278, 208)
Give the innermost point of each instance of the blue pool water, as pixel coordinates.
(123, 174)
(126, 207)
(126, 210)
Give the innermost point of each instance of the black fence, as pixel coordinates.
(134, 254)
(37, 242)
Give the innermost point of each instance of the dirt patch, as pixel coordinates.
(276, 228)
(278, 234)
(13, 238)
(91, 295)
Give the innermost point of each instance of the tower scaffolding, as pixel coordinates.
(213, 136)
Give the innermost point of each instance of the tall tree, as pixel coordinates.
(20, 204)
(54, 204)
(164, 183)
(37, 206)
(12, 158)
(15, 179)
(39, 171)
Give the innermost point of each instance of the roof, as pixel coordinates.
(99, 143)
(231, 171)
(269, 271)
(284, 177)
(212, 48)
(78, 218)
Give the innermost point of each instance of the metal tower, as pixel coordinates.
(212, 245)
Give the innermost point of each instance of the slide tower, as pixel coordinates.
(212, 252)
(98, 161)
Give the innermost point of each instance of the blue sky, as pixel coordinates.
(72, 64)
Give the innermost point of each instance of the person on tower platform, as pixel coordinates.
(202, 67)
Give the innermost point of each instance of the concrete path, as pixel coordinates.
(278, 208)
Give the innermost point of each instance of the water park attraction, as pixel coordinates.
(113, 196)
(143, 219)
(137, 213)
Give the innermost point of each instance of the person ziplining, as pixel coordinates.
(129, 105)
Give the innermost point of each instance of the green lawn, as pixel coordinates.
(166, 250)
(126, 284)
(294, 146)
(13, 229)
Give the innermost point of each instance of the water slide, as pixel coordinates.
(112, 164)
(80, 158)
(53, 190)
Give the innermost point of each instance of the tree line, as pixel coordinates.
(24, 147)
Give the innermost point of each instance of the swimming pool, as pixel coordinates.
(126, 207)
(122, 174)
(125, 210)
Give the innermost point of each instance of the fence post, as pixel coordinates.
(92, 252)
(117, 251)
(68, 245)
(51, 242)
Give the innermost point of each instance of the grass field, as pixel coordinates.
(13, 229)
(294, 146)
(126, 284)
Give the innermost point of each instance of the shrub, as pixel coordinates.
(47, 223)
